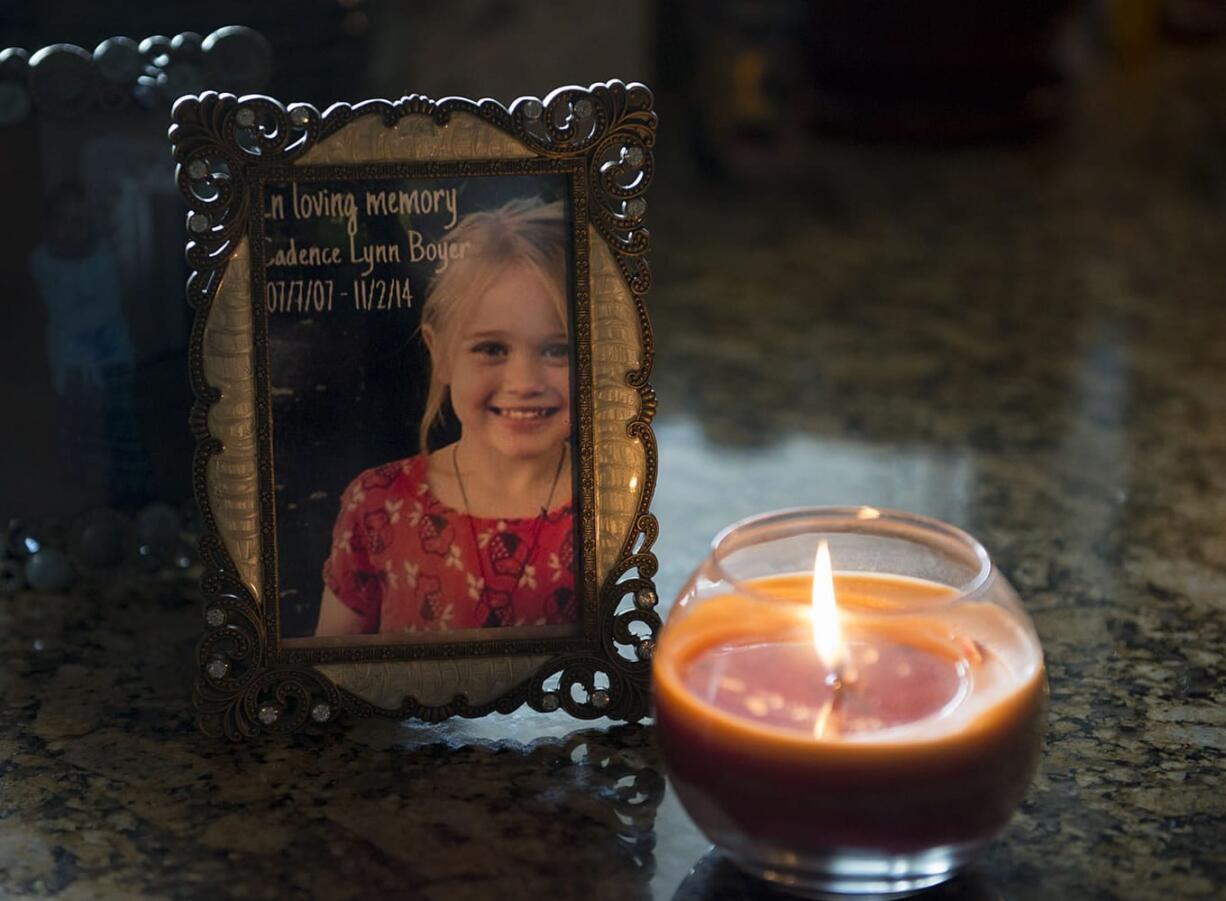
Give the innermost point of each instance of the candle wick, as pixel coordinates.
(836, 679)
(827, 719)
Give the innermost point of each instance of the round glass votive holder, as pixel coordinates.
(881, 764)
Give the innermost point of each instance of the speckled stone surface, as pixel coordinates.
(1027, 341)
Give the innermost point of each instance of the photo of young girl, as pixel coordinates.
(475, 532)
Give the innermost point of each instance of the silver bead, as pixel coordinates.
(583, 108)
(646, 648)
(550, 702)
(198, 223)
(636, 207)
(217, 668)
(269, 714)
(600, 699)
(197, 169)
(300, 117)
(321, 713)
(245, 117)
(215, 617)
(634, 156)
(645, 599)
(49, 570)
(532, 108)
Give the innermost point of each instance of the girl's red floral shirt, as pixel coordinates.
(404, 561)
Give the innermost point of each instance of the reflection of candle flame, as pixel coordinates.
(823, 720)
(827, 631)
(736, 686)
(972, 649)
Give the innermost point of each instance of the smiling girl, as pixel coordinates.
(478, 533)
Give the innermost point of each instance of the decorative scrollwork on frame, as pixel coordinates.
(216, 139)
(605, 133)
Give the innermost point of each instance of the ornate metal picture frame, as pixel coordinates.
(233, 154)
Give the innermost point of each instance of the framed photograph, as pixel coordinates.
(421, 361)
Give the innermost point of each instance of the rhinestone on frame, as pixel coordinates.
(600, 699)
(636, 207)
(215, 617)
(583, 108)
(198, 223)
(321, 713)
(533, 108)
(300, 117)
(269, 714)
(645, 648)
(245, 117)
(645, 599)
(217, 668)
(197, 169)
(634, 156)
(550, 702)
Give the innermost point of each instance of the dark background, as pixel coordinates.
(348, 386)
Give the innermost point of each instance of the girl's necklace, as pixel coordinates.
(536, 531)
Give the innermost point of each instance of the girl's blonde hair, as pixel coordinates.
(522, 232)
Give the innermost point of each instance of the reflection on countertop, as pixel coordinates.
(1029, 341)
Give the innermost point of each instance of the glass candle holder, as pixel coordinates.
(865, 740)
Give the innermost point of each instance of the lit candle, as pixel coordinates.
(870, 743)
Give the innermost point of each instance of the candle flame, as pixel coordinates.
(827, 630)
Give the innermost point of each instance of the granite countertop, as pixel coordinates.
(1028, 341)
